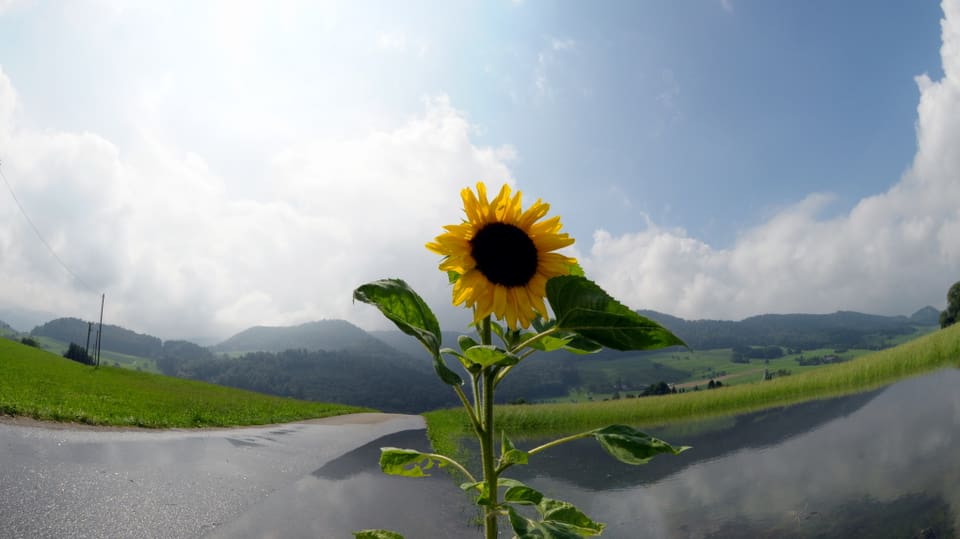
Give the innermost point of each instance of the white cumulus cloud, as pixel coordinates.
(891, 253)
(180, 255)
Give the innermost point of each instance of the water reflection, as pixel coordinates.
(883, 464)
(712, 439)
(350, 493)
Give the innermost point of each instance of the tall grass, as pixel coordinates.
(38, 384)
(933, 351)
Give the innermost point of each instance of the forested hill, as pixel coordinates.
(319, 335)
(410, 346)
(114, 338)
(5, 329)
(390, 382)
(805, 331)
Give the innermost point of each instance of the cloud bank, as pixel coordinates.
(891, 253)
(179, 254)
(184, 248)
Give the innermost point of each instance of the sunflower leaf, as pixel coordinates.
(564, 522)
(488, 355)
(631, 446)
(470, 366)
(446, 375)
(466, 341)
(407, 462)
(509, 454)
(550, 343)
(576, 269)
(584, 308)
(582, 345)
(405, 308)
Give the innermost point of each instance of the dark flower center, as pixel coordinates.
(505, 254)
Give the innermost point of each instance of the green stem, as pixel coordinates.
(477, 400)
(503, 372)
(471, 411)
(486, 439)
(453, 463)
(534, 339)
(485, 331)
(559, 441)
(486, 454)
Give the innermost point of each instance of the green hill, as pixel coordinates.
(319, 335)
(382, 380)
(113, 338)
(6, 330)
(42, 385)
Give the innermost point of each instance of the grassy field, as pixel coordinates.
(42, 385)
(600, 378)
(936, 350)
(107, 357)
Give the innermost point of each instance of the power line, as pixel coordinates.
(39, 235)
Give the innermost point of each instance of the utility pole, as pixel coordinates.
(87, 347)
(100, 330)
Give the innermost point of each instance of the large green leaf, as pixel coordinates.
(631, 446)
(582, 345)
(407, 462)
(584, 308)
(521, 494)
(560, 520)
(567, 514)
(376, 534)
(526, 528)
(405, 308)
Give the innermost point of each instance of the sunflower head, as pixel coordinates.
(503, 256)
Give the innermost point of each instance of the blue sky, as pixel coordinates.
(217, 165)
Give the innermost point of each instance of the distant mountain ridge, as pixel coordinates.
(804, 331)
(319, 335)
(927, 316)
(334, 360)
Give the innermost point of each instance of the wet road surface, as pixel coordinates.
(310, 479)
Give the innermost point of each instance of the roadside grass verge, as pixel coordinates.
(41, 385)
(446, 428)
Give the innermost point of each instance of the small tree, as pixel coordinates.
(950, 315)
(79, 354)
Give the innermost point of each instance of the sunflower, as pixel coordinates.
(503, 256)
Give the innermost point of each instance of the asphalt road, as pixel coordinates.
(311, 479)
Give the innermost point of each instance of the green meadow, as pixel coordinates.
(42, 385)
(867, 371)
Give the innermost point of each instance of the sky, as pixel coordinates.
(210, 166)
